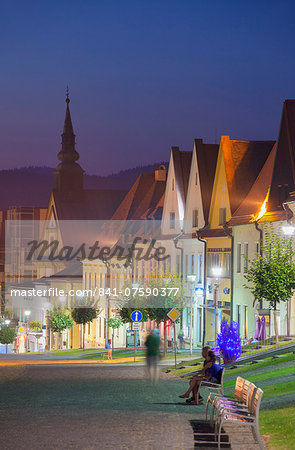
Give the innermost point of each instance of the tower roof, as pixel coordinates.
(68, 153)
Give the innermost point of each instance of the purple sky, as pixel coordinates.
(143, 76)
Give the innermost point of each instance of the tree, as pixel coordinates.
(82, 316)
(155, 297)
(229, 341)
(37, 327)
(272, 273)
(59, 320)
(7, 335)
(114, 323)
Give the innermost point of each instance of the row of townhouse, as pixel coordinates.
(217, 202)
(208, 210)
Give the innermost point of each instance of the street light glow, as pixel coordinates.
(217, 271)
(288, 230)
(191, 277)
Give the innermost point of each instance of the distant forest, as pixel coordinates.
(31, 186)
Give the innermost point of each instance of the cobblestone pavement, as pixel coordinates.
(85, 407)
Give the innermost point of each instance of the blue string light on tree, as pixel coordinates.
(229, 341)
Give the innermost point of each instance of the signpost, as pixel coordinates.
(173, 315)
(136, 317)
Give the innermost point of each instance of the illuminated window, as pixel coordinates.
(222, 216)
(177, 264)
(239, 256)
(214, 260)
(246, 247)
(227, 264)
(172, 220)
(256, 250)
(186, 264)
(193, 264)
(200, 267)
(195, 217)
(239, 317)
(245, 325)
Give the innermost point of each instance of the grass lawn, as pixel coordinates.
(278, 425)
(73, 352)
(116, 354)
(239, 370)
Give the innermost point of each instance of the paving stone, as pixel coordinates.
(94, 407)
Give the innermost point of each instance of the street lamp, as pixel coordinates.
(217, 272)
(289, 230)
(191, 279)
(27, 315)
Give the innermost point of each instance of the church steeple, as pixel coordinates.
(68, 152)
(68, 176)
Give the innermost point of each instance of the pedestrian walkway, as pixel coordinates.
(34, 362)
(89, 406)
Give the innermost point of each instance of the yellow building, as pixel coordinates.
(238, 165)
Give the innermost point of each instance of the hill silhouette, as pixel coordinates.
(31, 186)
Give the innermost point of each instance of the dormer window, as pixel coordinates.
(172, 220)
(195, 222)
(222, 216)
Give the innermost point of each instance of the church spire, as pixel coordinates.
(68, 176)
(68, 152)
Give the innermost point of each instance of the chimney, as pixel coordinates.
(160, 173)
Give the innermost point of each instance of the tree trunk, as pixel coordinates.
(276, 323)
(113, 340)
(165, 337)
(83, 331)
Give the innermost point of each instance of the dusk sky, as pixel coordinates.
(143, 76)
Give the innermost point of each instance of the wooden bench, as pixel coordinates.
(241, 395)
(245, 416)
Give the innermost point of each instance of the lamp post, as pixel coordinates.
(27, 315)
(191, 279)
(289, 230)
(217, 271)
(6, 322)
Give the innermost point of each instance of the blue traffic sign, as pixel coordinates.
(136, 316)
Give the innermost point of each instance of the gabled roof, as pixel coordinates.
(90, 204)
(182, 165)
(206, 160)
(146, 195)
(250, 207)
(74, 270)
(243, 162)
(283, 180)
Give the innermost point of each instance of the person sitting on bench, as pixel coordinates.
(209, 372)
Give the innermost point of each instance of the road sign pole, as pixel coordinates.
(136, 317)
(174, 342)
